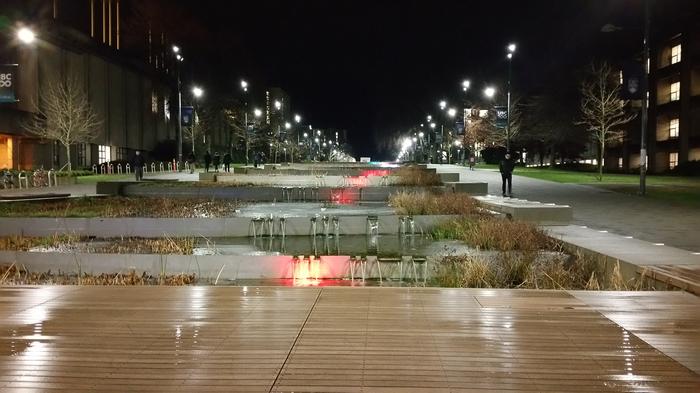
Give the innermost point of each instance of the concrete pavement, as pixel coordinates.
(627, 215)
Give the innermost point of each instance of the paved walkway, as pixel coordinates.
(628, 215)
(271, 339)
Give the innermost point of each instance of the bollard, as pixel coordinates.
(119, 168)
(52, 175)
(153, 167)
(170, 166)
(128, 168)
(110, 169)
(187, 166)
(94, 168)
(102, 169)
(162, 167)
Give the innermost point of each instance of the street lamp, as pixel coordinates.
(452, 112)
(465, 84)
(490, 92)
(197, 92)
(179, 58)
(257, 112)
(287, 125)
(26, 35)
(511, 51)
(244, 85)
(297, 118)
(443, 104)
(278, 105)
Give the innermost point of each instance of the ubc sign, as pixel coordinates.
(501, 116)
(8, 75)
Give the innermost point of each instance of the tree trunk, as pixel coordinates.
(70, 168)
(601, 154)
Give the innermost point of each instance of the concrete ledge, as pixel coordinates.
(207, 176)
(208, 227)
(448, 177)
(520, 209)
(469, 188)
(112, 187)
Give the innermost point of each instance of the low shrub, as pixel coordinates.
(425, 203)
(16, 275)
(416, 177)
(491, 233)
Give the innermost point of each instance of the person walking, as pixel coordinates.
(216, 161)
(506, 167)
(227, 162)
(138, 163)
(472, 161)
(207, 161)
(191, 159)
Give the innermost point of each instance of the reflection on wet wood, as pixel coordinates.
(344, 339)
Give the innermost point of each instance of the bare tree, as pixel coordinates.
(602, 109)
(503, 136)
(63, 113)
(241, 131)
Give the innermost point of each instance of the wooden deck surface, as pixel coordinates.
(346, 340)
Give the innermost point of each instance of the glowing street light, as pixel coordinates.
(432, 125)
(452, 112)
(26, 35)
(287, 125)
(244, 85)
(511, 48)
(421, 134)
(465, 84)
(278, 105)
(257, 112)
(197, 91)
(176, 49)
(443, 104)
(490, 92)
(297, 118)
(306, 135)
(429, 118)
(179, 58)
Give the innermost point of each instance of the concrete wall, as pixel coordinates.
(208, 227)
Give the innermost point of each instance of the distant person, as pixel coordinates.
(472, 162)
(227, 162)
(256, 159)
(506, 167)
(207, 161)
(191, 159)
(138, 166)
(216, 161)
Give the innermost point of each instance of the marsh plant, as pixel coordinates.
(19, 275)
(127, 245)
(529, 270)
(425, 203)
(413, 176)
(493, 233)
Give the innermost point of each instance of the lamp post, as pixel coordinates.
(645, 104)
(511, 51)
(197, 93)
(179, 58)
(244, 87)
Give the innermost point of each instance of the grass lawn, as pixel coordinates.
(677, 189)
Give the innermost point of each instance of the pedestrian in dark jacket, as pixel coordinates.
(138, 166)
(207, 161)
(227, 162)
(216, 161)
(256, 159)
(191, 159)
(506, 168)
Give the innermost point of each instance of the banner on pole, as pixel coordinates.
(8, 76)
(187, 116)
(501, 116)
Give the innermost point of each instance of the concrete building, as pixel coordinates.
(83, 40)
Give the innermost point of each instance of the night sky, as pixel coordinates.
(376, 68)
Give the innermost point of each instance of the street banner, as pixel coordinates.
(459, 128)
(632, 81)
(501, 116)
(8, 76)
(187, 116)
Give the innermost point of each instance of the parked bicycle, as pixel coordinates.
(40, 178)
(8, 180)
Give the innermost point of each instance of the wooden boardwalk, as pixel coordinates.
(346, 340)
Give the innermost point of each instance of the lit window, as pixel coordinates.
(103, 154)
(166, 109)
(676, 54)
(673, 128)
(154, 102)
(619, 162)
(675, 91)
(672, 160)
(622, 78)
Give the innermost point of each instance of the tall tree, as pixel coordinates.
(63, 113)
(603, 111)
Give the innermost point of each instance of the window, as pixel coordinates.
(673, 128)
(676, 54)
(166, 108)
(81, 149)
(154, 102)
(672, 160)
(103, 154)
(675, 91)
(122, 153)
(619, 162)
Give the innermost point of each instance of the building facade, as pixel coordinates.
(131, 95)
(674, 106)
